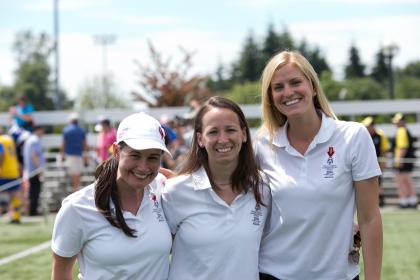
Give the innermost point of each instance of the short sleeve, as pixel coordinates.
(170, 208)
(364, 163)
(67, 238)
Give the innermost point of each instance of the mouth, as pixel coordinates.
(291, 102)
(224, 149)
(140, 176)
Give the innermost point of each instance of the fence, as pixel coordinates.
(56, 184)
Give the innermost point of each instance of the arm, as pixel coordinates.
(370, 223)
(62, 267)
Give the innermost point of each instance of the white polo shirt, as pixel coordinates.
(105, 252)
(213, 240)
(316, 197)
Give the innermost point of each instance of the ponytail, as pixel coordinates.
(106, 190)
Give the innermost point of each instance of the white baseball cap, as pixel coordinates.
(141, 131)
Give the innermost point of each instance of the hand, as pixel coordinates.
(167, 172)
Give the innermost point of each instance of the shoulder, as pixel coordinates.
(177, 183)
(84, 197)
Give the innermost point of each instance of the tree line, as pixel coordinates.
(164, 84)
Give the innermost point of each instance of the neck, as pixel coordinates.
(222, 174)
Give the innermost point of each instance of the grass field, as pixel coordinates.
(401, 259)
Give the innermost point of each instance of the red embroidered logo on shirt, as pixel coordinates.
(330, 151)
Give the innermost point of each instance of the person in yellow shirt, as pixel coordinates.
(381, 143)
(9, 172)
(403, 163)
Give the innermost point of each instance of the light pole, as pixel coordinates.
(389, 51)
(104, 40)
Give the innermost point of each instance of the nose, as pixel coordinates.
(142, 164)
(222, 137)
(288, 91)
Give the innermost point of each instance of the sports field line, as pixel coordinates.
(25, 253)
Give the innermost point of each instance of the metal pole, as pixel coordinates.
(104, 40)
(57, 104)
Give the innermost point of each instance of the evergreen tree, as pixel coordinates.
(286, 41)
(250, 63)
(380, 68)
(355, 68)
(271, 44)
(314, 56)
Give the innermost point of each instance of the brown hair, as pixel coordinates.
(106, 190)
(247, 174)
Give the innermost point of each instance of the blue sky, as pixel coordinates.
(215, 30)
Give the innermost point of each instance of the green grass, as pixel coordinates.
(401, 258)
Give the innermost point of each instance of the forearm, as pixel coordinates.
(371, 233)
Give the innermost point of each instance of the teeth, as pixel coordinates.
(140, 176)
(224, 150)
(291, 102)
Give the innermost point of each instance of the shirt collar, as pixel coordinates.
(328, 126)
(200, 179)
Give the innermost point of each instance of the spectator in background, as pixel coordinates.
(22, 113)
(380, 141)
(106, 137)
(34, 163)
(9, 172)
(74, 150)
(404, 163)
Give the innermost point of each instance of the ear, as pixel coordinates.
(200, 139)
(244, 139)
(116, 150)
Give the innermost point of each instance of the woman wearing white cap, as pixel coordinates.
(116, 228)
(217, 207)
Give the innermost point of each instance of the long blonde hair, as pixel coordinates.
(272, 119)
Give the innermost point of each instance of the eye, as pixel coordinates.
(154, 158)
(296, 82)
(278, 87)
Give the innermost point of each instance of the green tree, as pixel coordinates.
(380, 68)
(91, 95)
(246, 93)
(407, 87)
(364, 89)
(286, 40)
(355, 68)
(411, 70)
(271, 43)
(314, 56)
(250, 62)
(7, 98)
(334, 90)
(32, 73)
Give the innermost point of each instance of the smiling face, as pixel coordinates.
(221, 136)
(137, 169)
(292, 92)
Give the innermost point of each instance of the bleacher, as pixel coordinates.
(56, 184)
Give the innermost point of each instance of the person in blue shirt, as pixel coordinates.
(22, 113)
(74, 150)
